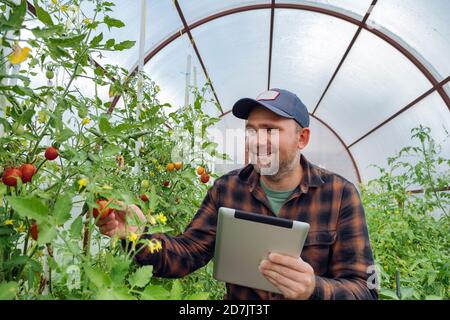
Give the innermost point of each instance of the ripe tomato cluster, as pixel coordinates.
(176, 165)
(204, 177)
(26, 171)
(170, 167)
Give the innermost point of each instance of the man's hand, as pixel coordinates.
(116, 222)
(292, 276)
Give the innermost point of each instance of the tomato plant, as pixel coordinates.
(411, 246)
(63, 153)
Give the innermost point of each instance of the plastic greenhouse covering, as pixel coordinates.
(368, 71)
(377, 79)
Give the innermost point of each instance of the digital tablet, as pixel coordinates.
(243, 239)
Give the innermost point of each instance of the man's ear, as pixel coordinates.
(303, 138)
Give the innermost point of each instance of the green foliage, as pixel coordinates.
(405, 236)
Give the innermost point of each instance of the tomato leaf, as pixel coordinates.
(198, 296)
(46, 233)
(16, 17)
(76, 227)
(47, 32)
(119, 270)
(63, 206)
(8, 290)
(177, 289)
(43, 15)
(154, 292)
(113, 23)
(124, 45)
(104, 125)
(111, 150)
(98, 278)
(30, 207)
(110, 43)
(141, 277)
(388, 294)
(96, 40)
(71, 41)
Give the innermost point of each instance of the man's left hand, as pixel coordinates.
(292, 276)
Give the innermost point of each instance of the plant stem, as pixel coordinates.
(430, 178)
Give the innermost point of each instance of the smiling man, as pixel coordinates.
(280, 181)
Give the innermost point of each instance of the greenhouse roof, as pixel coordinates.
(368, 71)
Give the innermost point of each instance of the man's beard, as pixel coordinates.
(265, 165)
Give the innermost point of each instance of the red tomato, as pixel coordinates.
(34, 231)
(103, 209)
(51, 153)
(10, 176)
(28, 170)
(204, 178)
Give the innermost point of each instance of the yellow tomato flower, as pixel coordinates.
(152, 174)
(159, 167)
(133, 237)
(85, 121)
(19, 54)
(21, 228)
(63, 8)
(158, 245)
(154, 246)
(55, 2)
(9, 222)
(162, 218)
(83, 182)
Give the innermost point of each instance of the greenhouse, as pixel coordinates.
(210, 150)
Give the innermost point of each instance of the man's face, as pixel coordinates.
(274, 142)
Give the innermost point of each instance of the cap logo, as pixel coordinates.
(268, 95)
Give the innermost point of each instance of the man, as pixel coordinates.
(335, 260)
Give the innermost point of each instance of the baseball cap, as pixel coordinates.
(279, 101)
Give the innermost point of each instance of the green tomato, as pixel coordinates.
(50, 74)
(18, 129)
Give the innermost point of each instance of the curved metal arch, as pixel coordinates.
(402, 48)
(355, 165)
(395, 43)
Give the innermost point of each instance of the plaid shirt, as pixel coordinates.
(337, 246)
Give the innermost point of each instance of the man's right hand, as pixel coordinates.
(116, 222)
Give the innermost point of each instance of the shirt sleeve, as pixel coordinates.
(189, 251)
(350, 256)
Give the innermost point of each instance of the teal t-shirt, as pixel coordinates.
(276, 198)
